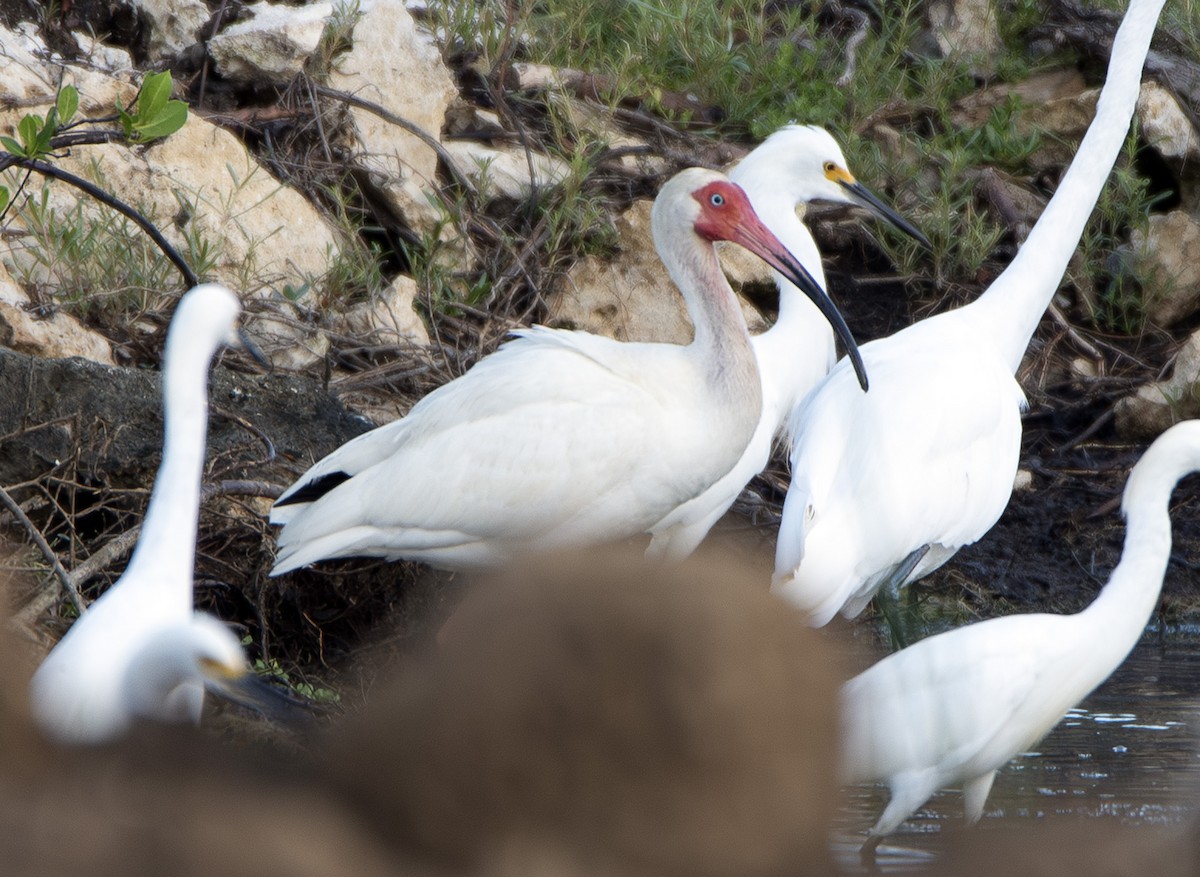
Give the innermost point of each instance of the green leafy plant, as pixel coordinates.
(154, 114)
(36, 133)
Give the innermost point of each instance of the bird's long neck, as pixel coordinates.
(1126, 602)
(166, 548)
(798, 349)
(1010, 309)
(796, 310)
(721, 340)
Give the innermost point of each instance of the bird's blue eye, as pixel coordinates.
(717, 200)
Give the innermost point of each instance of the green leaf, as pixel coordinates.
(46, 134)
(156, 91)
(168, 120)
(4, 196)
(67, 104)
(28, 129)
(12, 146)
(126, 120)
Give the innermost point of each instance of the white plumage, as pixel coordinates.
(559, 439)
(140, 651)
(925, 462)
(797, 164)
(954, 708)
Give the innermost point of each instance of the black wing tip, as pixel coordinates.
(315, 489)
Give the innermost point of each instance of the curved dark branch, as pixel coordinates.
(189, 276)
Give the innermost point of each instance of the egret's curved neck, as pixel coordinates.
(721, 339)
(167, 545)
(799, 348)
(1125, 604)
(1012, 306)
(795, 308)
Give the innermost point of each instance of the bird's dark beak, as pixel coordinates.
(756, 237)
(250, 690)
(251, 348)
(864, 197)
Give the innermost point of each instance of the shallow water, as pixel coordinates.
(1131, 750)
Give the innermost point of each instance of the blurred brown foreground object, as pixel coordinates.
(595, 715)
(1097, 848)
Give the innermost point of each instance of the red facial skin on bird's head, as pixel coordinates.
(726, 215)
(723, 207)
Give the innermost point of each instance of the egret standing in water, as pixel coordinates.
(560, 439)
(140, 651)
(952, 709)
(887, 486)
(797, 164)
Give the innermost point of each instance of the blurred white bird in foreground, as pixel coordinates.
(140, 651)
(560, 439)
(795, 165)
(887, 486)
(952, 709)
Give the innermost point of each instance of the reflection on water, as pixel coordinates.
(1131, 750)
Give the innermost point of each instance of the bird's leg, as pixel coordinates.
(887, 599)
(866, 855)
(975, 794)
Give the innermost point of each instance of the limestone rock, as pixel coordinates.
(1040, 88)
(1155, 407)
(56, 336)
(173, 25)
(503, 170)
(388, 319)
(630, 298)
(1169, 130)
(289, 342)
(1165, 125)
(273, 45)
(202, 182)
(394, 65)
(100, 56)
(967, 29)
(1168, 265)
(28, 80)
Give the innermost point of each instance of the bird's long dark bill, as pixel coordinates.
(871, 201)
(273, 702)
(253, 349)
(757, 238)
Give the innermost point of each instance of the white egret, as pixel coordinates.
(952, 709)
(140, 651)
(559, 439)
(886, 486)
(797, 164)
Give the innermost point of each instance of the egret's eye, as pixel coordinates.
(716, 199)
(830, 167)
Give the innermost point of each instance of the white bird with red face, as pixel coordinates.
(887, 486)
(797, 164)
(560, 439)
